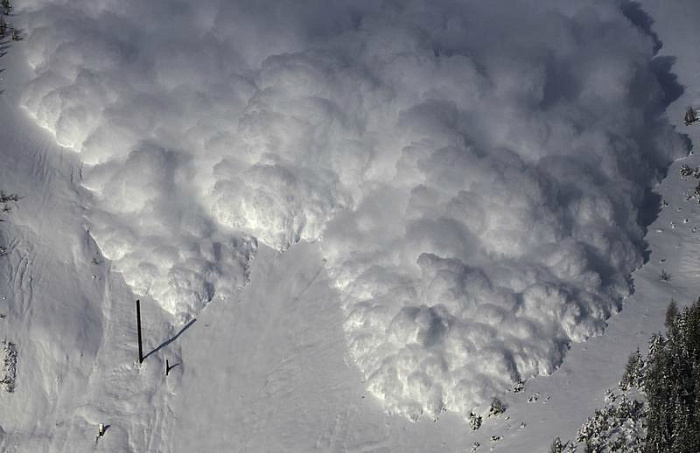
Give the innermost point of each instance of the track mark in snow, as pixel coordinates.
(336, 434)
(22, 283)
(308, 285)
(159, 426)
(346, 437)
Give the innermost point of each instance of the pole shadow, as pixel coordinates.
(170, 340)
(169, 368)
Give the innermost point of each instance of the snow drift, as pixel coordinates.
(473, 170)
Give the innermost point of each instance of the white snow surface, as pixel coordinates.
(395, 210)
(473, 183)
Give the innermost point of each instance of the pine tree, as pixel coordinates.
(672, 384)
(655, 383)
(692, 346)
(671, 313)
(556, 447)
(633, 374)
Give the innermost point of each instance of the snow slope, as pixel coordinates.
(475, 194)
(274, 375)
(268, 369)
(72, 320)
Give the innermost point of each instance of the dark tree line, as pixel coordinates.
(670, 378)
(5, 10)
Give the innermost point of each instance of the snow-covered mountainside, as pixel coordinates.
(350, 225)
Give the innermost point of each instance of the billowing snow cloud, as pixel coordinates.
(472, 170)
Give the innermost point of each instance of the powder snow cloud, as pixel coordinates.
(473, 171)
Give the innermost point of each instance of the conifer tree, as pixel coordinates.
(672, 384)
(671, 313)
(632, 376)
(556, 447)
(655, 383)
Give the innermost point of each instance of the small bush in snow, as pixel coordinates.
(518, 387)
(690, 171)
(497, 407)
(474, 421)
(8, 201)
(9, 366)
(7, 198)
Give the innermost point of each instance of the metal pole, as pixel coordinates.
(138, 327)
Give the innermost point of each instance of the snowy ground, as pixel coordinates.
(267, 370)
